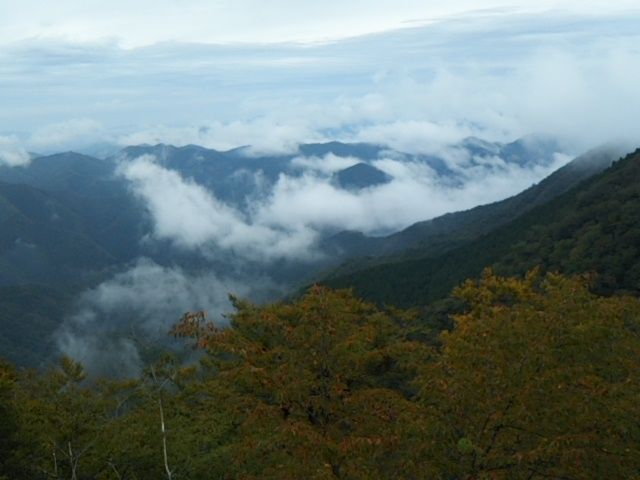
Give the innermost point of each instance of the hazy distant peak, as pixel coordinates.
(359, 176)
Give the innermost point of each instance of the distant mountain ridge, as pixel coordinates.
(70, 221)
(592, 227)
(215, 169)
(359, 176)
(82, 202)
(443, 233)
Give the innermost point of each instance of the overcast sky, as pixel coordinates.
(145, 22)
(273, 73)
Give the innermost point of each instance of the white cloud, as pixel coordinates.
(287, 220)
(12, 153)
(68, 135)
(190, 216)
(493, 74)
(587, 99)
(182, 210)
(414, 194)
(147, 22)
(263, 135)
(138, 307)
(326, 165)
(417, 136)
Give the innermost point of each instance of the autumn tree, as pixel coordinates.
(540, 379)
(321, 388)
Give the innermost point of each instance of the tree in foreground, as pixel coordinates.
(540, 379)
(322, 388)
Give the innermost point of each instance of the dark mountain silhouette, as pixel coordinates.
(359, 176)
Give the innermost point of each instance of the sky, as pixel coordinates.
(273, 74)
(146, 22)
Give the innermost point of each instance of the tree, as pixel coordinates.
(540, 379)
(61, 422)
(321, 388)
(8, 424)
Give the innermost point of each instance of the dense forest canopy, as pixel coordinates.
(538, 378)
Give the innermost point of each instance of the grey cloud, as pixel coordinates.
(143, 302)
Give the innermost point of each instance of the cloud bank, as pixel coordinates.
(192, 217)
(287, 219)
(135, 310)
(497, 74)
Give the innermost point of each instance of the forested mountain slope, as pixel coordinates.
(42, 239)
(594, 227)
(69, 221)
(434, 237)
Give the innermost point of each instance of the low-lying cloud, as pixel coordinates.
(192, 217)
(135, 310)
(414, 193)
(287, 220)
(12, 153)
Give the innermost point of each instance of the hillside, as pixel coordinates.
(361, 175)
(43, 240)
(70, 222)
(594, 227)
(434, 237)
(29, 314)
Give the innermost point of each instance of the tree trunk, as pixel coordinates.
(164, 440)
(73, 462)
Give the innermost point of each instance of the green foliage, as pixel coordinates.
(538, 378)
(8, 424)
(321, 388)
(29, 314)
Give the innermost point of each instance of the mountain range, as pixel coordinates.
(70, 221)
(575, 221)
